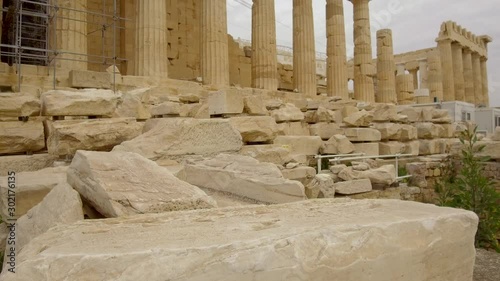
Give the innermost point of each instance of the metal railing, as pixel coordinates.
(361, 156)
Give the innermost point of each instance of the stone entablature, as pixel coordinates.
(452, 31)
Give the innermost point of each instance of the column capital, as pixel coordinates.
(466, 50)
(444, 40)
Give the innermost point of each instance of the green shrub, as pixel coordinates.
(469, 189)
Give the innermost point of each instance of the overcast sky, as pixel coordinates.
(415, 25)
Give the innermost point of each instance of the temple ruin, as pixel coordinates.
(140, 134)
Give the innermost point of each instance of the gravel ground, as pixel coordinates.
(487, 266)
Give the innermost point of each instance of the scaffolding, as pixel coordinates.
(33, 38)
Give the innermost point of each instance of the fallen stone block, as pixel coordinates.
(362, 134)
(120, 183)
(90, 79)
(130, 105)
(62, 205)
(320, 115)
(385, 175)
(304, 174)
(256, 129)
(412, 147)
(324, 130)
(321, 186)
(359, 119)
(19, 105)
(243, 176)
(385, 113)
(491, 149)
(408, 133)
(300, 144)
(166, 108)
(189, 98)
(67, 136)
(89, 102)
(287, 113)
(429, 130)
(17, 136)
(391, 148)
(271, 153)
(334, 239)
(353, 186)
(389, 131)
(368, 149)
(254, 105)
(338, 144)
(31, 188)
(294, 129)
(172, 137)
(228, 101)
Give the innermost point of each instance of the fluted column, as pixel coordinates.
(468, 76)
(71, 33)
(405, 89)
(435, 76)
(477, 78)
(214, 45)
(363, 68)
(336, 50)
(458, 71)
(264, 56)
(151, 38)
(386, 88)
(304, 48)
(485, 97)
(447, 69)
(423, 81)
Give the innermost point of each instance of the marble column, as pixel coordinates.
(336, 50)
(151, 38)
(304, 48)
(405, 89)
(435, 76)
(264, 55)
(363, 68)
(477, 79)
(458, 71)
(214, 43)
(424, 81)
(71, 33)
(468, 76)
(400, 69)
(485, 97)
(448, 77)
(386, 90)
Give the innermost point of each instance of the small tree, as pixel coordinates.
(471, 190)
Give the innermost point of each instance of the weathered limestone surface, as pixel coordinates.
(131, 105)
(468, 76)
(322, 186)
(359, 119)
(256, 128)
(151, 43)
(264, 57)
(228, 101)
(300, 144)
(243, 176)
(435, 76)
(72, 33)
(303, 174)
(90, 79)
(324, 130)
(214, 43)
(180, 136)
(121, 183)
(337, 144)
(67, 136)
(412, 237)
(89, 102)
(386, 90)
(254, 105)
(31, 188)
(61, 206)
(353, 187)
(18, 104)
(17, 136)
(289, 112)
(304, 48)
(477, 77)
(25, 163)
(362, 134)
(294, 129)
(336, 50)
(485, 99)
(384, 175)
(267, 153)
(405, 89)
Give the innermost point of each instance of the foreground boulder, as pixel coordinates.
(179, 136)
(68, 136)
(324, 239)
(31, 188)
(256, 129)
(243, 176)
(61, 206)
(118, 184)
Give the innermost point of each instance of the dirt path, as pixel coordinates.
(487, 266)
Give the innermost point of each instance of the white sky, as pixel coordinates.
(415, 25)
